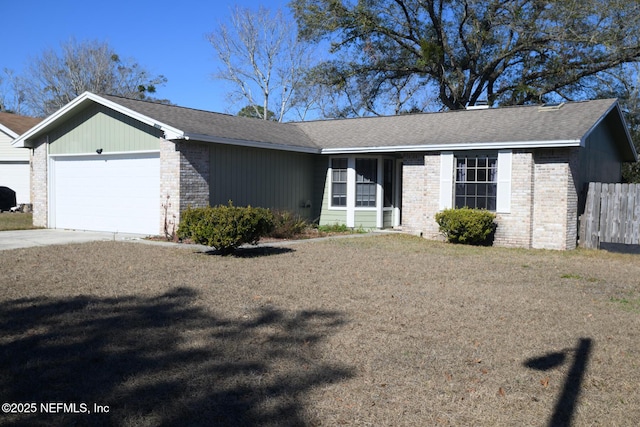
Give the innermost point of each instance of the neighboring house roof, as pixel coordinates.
(14, 124)
(566, 125)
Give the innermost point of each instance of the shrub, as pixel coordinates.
(287, 225)
(466, 225)
(333, 228)
(225, 227)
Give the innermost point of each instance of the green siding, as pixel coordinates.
(387, 219)
(330, 216)
(365, 219)
(100, 127)
(600, 158)
(333, 217)
(266, 178)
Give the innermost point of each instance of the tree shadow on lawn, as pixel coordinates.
(162, 361)
(252, 252)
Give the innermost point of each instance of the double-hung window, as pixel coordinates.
(339, 182)
(476, 181)
(366, 178)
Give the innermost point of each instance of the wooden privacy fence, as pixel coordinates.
(611, 215)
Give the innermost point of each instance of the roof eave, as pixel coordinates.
(8, 131)
(252, 144)
(24, 140)
(456, 147)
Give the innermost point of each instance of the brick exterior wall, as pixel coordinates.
(184, 179)
(169, 186)
(555, 201)
(573, 199)
(194, 174)
(39, 184)
(544, 199)
(432, 195)
(514, 228)
(413, 193)
(420, 194)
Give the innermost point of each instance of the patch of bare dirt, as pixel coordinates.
(385, 331)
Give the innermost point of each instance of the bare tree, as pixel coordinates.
(264, 60)
(55, 78)
(11, 97)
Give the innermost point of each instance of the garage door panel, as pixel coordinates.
(107, 193)
(16, 176)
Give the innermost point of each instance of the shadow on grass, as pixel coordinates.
(568, 399)
(620, 248)
(162, 361)
(253, 252)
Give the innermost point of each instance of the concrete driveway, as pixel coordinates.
(45, 237)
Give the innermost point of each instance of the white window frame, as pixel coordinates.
(330, 178)
(503, 180)
(351, 207)
(376, 183)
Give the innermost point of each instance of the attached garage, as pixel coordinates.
(117, 193)
(105, 163)
(97, 167)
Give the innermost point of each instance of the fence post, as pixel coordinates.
(590, 218)
(635, 237)
(604, 225)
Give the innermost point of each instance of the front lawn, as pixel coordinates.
(385, 331)
(16, 221)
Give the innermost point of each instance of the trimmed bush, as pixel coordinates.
(287, 225)
(466, 225)
(225, 228)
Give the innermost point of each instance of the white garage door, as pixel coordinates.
(118, 193)
(15, 175)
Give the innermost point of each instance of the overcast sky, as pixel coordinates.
(165, 37)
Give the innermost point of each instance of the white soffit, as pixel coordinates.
(457, 147)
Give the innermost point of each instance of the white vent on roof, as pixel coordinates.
(481, 104)
(551, 106)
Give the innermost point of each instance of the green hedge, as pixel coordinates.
(225, 228)
(466, 225)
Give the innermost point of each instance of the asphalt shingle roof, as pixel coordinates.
(571, 122)
(218, 125)
(509, 124)
(18, 124)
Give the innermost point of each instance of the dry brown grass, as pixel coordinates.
(381, 331)
(16, 221)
